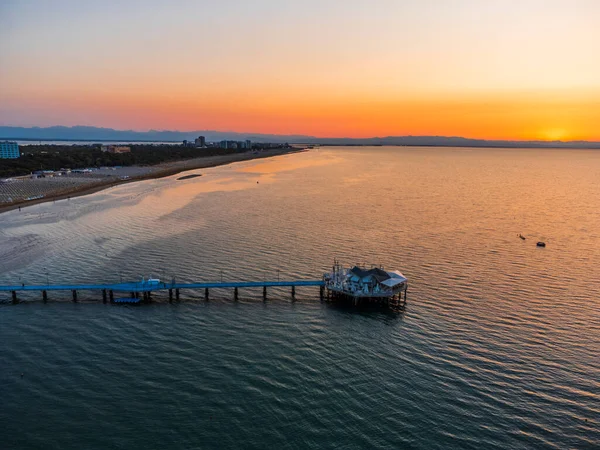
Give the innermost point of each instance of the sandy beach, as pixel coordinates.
(158, 171)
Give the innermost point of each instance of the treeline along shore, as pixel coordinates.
(57, 157)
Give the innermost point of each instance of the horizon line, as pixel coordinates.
(297, 135)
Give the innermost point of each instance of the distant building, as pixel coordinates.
(200, 141)
(187, 143)
(248, 144)
(239, 145)
(9, 150)
(43, 174)
(116, 149)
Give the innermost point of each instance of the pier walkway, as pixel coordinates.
(134, 289)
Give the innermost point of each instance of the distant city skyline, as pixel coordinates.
(499, 70)
(199, 138)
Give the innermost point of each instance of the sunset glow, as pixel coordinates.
(495, 70)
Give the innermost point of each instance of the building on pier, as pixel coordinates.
(359, 284)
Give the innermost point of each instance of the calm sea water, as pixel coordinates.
(497, 348)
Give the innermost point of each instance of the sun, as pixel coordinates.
(554, 134)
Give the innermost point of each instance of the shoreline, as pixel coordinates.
(163, 170)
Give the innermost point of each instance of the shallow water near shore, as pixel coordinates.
(497, 347)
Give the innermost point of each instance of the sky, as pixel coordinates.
(491, 69)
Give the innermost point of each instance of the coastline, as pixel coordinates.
(163, 170)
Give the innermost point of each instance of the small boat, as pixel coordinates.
(541, 244)
(522, 237)
(150, 281)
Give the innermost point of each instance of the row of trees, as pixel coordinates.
(55, 157)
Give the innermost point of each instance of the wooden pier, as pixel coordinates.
(142, 291)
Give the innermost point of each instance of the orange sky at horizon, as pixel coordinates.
(523, 70)
(510, 116)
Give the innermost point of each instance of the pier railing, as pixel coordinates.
(149, 287)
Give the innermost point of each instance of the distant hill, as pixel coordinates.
(81, 133)
(444, 141)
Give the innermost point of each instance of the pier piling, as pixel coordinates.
(293, 292)
(265, 293)
(170, 295)
(15, 300)
(45, 296)
(111, 295)
(321, 292)
(235, 294)
(74, 295)
(206, 294)
(177, 294)
(103, 295)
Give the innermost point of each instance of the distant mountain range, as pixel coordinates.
(81, 133)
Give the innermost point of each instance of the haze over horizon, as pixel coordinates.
(509, 70)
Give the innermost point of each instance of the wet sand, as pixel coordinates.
(159, 171)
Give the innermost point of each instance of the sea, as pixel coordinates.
(497, 348)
